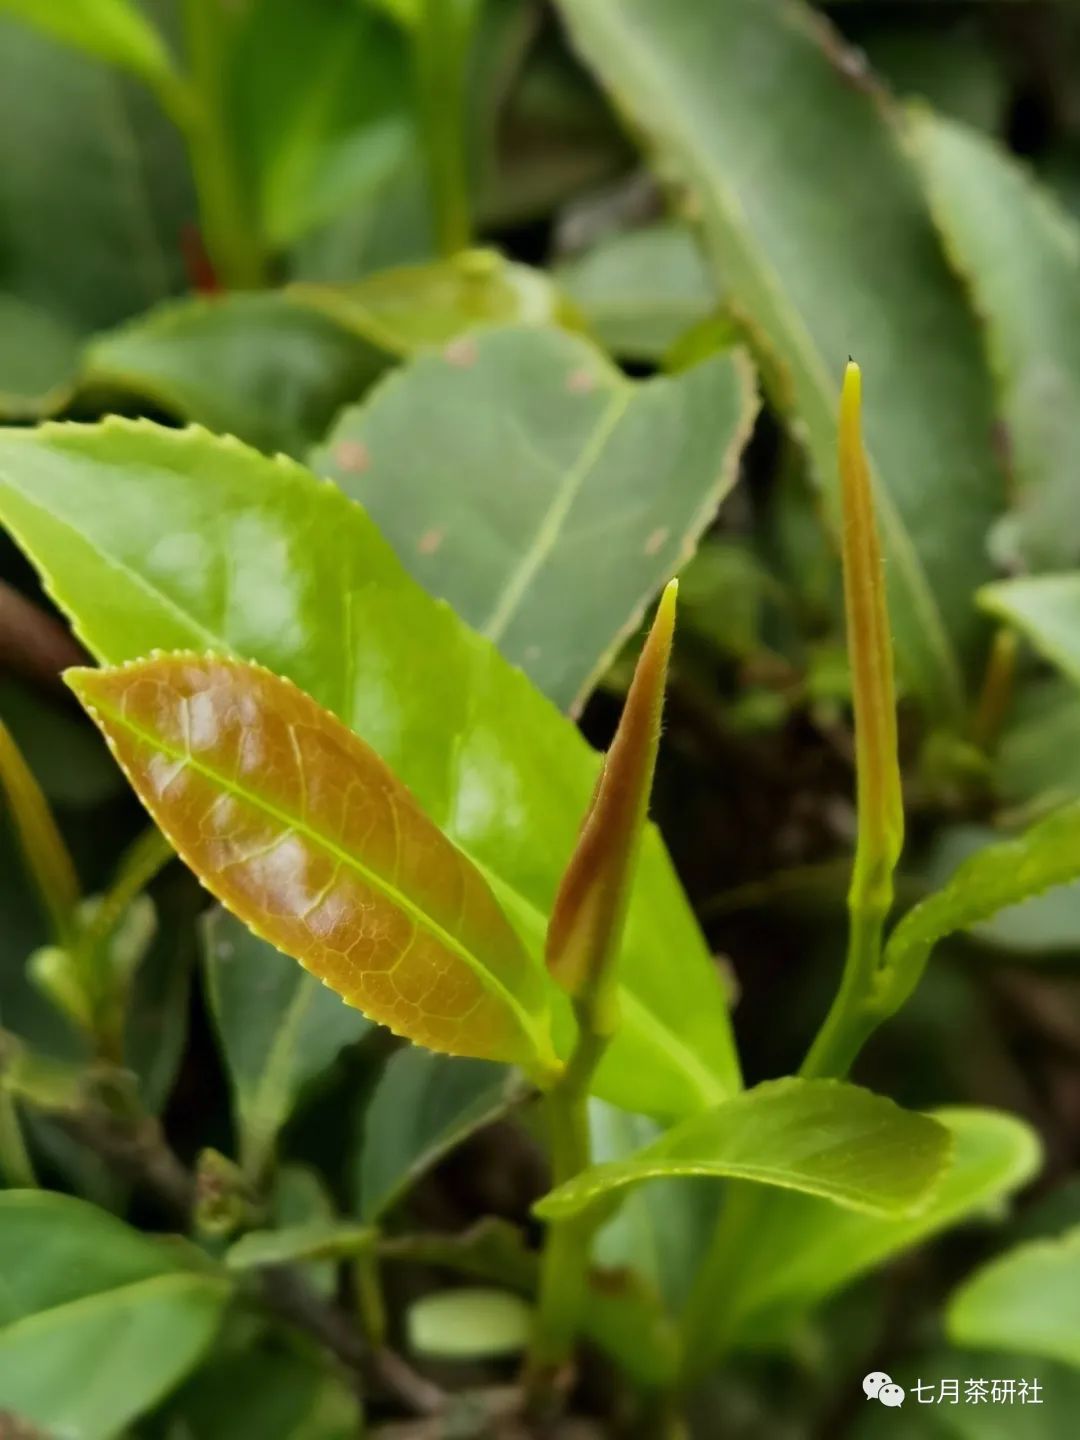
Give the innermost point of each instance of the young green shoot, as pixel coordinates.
(584, 935)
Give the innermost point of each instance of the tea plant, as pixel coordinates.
(356, 524)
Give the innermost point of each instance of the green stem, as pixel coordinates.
(564, 1264)
(15, 1163)
(229, 231)
(441, 56)
(855, 1012)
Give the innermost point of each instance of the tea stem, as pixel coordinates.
(441, 55)
(15, 1164)
(230, 232)
(564, 1264)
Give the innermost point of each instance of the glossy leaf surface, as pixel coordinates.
(1027, 1300)
(305, 834)
(279, 1029)
(572, 468)
(156, 538)
(423, 1107)
(97, 1322)
(639, 292)
(1018, 251)
(740, 101)
(820, 1137)
(808, 1248)
(999, 876)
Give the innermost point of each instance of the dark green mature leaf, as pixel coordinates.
(302, 831)
(826, 249)
(94, 182)
(97, 1322)
(1027, 1299)
(574, 470)
(807, 1248)
(259, 366)
(39, 355)
(1019, 254)
(156, 538)
(423, 1107)
(997, 877)
(641, 290)
(280, 1028)
(319, 90)
(1036, 760)
(1046, 610)
(820, 1137)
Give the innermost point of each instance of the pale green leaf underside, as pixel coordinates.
(1027, 1300)
(538, 463)
(1046, 610)
(820, 1137)
(741, 101)
(1019, 255)
(157, 539)
(810, 1248)
(999, 876)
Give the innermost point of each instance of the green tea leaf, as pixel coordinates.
(299, 1244)
(807, 1248)
(1035, 761)
(820, 1137)
(1019, 254)
(826, 248)
(45, 855)
(413, 307)
(258, 366)
(157, 538)
(318, 92)
(39, 356)
(574, 468)
(424, 1106)
(112, 30)
(1046, 855)
(641, 290)
(468, 1324)
(304, 833)
(97, 1322)
(1027, 1300)
(96, 191)
(1046, 610)
(279, 1028)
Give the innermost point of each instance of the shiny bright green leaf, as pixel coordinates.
(995, 878)
(97, 1322)
(157, 538)
(806, 1248)
(820, 1137)
(573, 469)
(423, 1106)
(826, 248)
(1019, 253)
(641, 290)
(279, 1028)
(305, 834)
(1027, 1300)
(1046, 610)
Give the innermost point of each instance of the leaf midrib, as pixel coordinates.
(390, 892)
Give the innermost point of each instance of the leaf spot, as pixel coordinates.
(430, 541)
(656, 540)
(461, 352)
(353, 456)
(581, 382)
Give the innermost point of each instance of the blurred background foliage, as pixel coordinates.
(661, 183)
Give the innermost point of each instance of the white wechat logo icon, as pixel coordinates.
(879, 1386)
